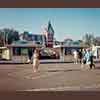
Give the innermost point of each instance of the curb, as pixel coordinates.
(45, 62)
(31, 63)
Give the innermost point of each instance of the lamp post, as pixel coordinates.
(4, 37)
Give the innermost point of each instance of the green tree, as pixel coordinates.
(1, 38)
(25, 35)
(10, 35)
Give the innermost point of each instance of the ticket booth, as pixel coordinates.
(5, 53)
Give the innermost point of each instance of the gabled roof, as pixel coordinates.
(68, 39)
(24, 43)
(20, 42)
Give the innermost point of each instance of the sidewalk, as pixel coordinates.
(21, 60)
(41, 61)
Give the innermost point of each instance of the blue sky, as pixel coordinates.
(67, 22)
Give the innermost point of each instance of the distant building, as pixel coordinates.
(47, 38)
(68, 41)
(35, 38)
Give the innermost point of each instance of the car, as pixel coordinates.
(48, 53)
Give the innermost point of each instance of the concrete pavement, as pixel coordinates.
(50, 77)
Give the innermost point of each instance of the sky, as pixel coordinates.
(67, 22)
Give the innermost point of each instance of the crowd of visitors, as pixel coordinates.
(84, 57)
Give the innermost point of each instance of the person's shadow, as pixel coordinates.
(62, 70)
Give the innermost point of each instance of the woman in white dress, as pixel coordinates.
(36, 60)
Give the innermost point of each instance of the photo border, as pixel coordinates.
(69, 95)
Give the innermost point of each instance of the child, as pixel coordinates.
(35, 60)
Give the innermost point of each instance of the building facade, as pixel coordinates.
(46, 39)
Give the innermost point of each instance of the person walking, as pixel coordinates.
(75, 53)
(89, 59)
(92, 65)
(83, 58)
(30, 53)
(36, 60)
(80, 56)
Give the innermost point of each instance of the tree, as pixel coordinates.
(1, 38)
(10, 35)
(89, 39)
(13, 36)
(25, 35)
(97, 40)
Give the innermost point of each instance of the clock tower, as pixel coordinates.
(49, 34)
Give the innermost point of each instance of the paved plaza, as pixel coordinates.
(50, 77)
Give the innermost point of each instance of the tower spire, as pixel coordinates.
(50, 28)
